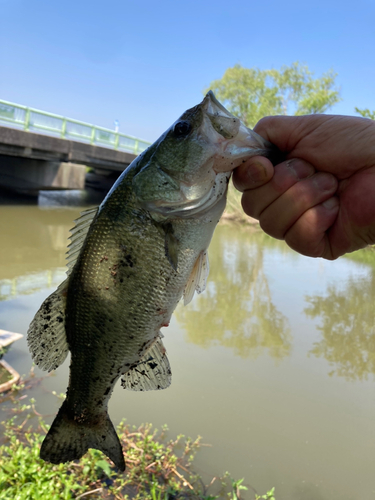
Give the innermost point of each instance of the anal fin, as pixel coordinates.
(152, 372)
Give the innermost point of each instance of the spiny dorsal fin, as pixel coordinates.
(46, 336)
(198, 278)
(152, 372)
(78, 236)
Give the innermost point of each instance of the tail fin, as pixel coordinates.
(69, 440)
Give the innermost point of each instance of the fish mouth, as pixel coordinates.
(238, 142)
(218, 141)
(213, 105)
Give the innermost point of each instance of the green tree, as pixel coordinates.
(251, 93)
(366, 113)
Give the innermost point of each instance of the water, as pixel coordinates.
(273, 365)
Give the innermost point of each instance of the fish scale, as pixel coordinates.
(129, 263)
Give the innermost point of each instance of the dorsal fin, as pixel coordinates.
(152, 372)
(78, 236)
(198, 278)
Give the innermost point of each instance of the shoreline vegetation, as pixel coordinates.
(158, 468)
(233, 210)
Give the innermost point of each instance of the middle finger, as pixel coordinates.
(286, 175)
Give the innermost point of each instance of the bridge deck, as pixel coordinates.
(30, 145)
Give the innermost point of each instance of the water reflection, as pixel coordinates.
(31, 283)
(34, 239)
(236, 310)
(347, 326)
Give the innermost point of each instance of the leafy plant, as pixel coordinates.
(251, 93)
(237, 486)
(366, 113)
(270, 495)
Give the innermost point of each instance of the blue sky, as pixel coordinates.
(145, 62)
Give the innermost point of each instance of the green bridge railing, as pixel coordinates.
(31, 119)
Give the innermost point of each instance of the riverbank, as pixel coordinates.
(158, 468)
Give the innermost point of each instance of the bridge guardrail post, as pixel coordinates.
(117, 139)
(92, 140)
(63, 129)
(136, 146)
(27, 119)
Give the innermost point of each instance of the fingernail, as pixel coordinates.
(299, 168)
(324, 182)
(256, 172)
(331, 203)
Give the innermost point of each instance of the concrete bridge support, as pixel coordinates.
(29, 175)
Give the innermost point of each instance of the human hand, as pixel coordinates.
(321, 200)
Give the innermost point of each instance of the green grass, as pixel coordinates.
(158, 468)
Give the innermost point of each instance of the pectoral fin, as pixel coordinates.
(153, 371)
(171, 245)
(171, 249)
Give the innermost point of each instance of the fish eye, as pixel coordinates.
(182, 129)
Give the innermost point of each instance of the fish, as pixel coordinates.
(130, 261)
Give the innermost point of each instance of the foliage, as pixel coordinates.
(157, 468)
(237, 486)
(251, 93)
(233, 209)
(154, 470)
(270, 495)
(366, 113)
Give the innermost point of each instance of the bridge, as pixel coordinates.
(40, 150)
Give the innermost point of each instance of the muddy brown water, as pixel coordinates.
(273, 364)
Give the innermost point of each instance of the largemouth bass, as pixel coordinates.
(129, 263)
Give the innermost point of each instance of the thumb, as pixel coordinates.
(286, 132)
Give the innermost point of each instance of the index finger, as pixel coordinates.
(340, 145)
(255, 172)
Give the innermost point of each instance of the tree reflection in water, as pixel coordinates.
(347, 326)
(236, 309)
